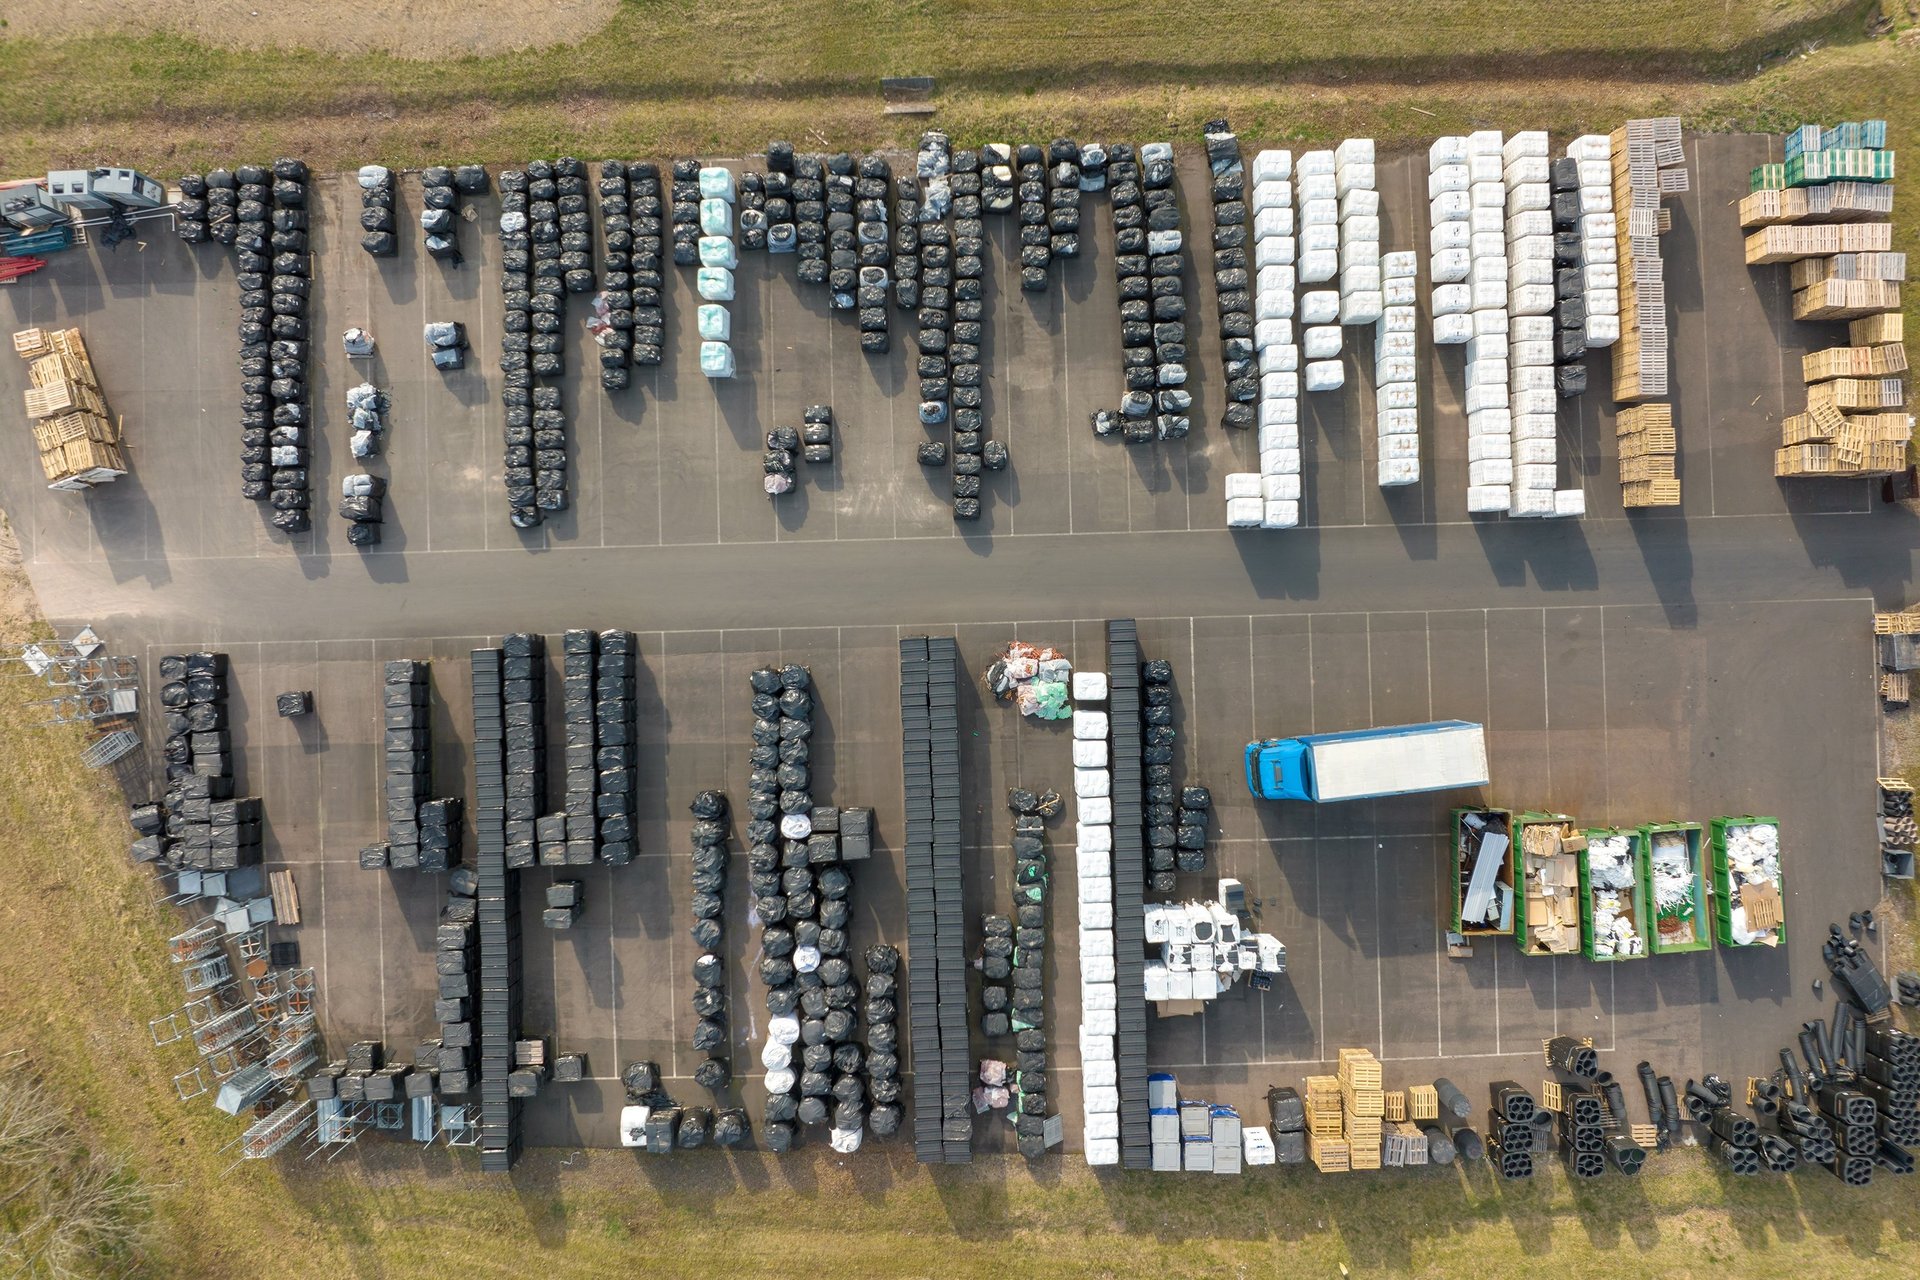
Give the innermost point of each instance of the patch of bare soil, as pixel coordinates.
(416, 29)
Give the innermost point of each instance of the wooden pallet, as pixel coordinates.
(1896, 690)
(286, 897)
(1394, 1105)
(1896, 624)
(1423, 1102)
(30, 344)
(1550, 1098)
(1644, 1135)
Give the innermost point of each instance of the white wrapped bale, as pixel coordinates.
(1275, 251)
(1089, 724)
(1530, 377)
(1452, 299)
(1453, 177)
(1393, 369)
(1272, 222)
(1360, 277)
(1484, 446)
(1488, 195)
(1542, 403)
(715, 284)
(1399, 447)
(1101, 1152)
(1490, 323)
(1399, 396)
(716, 359)
(1242, 484)
(1402, 264)
(1320, 341)
(1570, 502)
(1319, 306)
(1272, 166)
(1089, 754)
(714, 322)
(1278, 411)
(1591, 146)
(1359, 203)
(1325, 375)
(716, 183)
(1319, 266)
(1535, 426)
(1526, 169)
(1272, 304)
(1483, 500)
(1317, 186)
(1355, 177)
(1536, 452)
(1244, 513)
(1395, 472)
(1451, 235)
(1534, 475)
(1445, 151)
(1600, 250)
(1531, 300)
(1280, 514)
(1490, 471)
(1274, 279)
(1353, 151)
(1280, 358)
(1448, 330)
(1315, 237)
(1096, 810)
(1403, 421)
(1277, 332)
(1096, 784)
(1280, 488)
(1450, 266)
(1280, 436)
(1280, 462)
(1361, 307)
(1449, 206)
(1271, 197)
(1529, 196)
(1531, 503)
(1526, 143)
(1602, 331)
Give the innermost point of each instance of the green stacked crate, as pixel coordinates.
(1767, 177)
(1680, 923)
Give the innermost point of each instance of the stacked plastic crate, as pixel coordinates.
(1466, 191)
(1396, 393)
(1274, 251)
(1093, 867)
(1533, 404)
(714, 279)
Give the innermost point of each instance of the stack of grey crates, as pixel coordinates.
(497, 895)
(568, 838)
(1163, 1122)
(408, 720)
(523, 694)
(936, 963)
(1231, 274)
(207, 827)
(1129, 932)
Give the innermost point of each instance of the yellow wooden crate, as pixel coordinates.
(1651, 493)
(1652, 467)
(63, 397)
(69, 343)
(80, 457)
(1358, 1067)
(1362, 1102)
(1364, 1155)
(1329, 1154)
(1423, 1102)
(1395, 1104)
(50, 433)
(1869, 331)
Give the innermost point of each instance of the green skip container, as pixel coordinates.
(1463, 846)
(1637, 896)
(1727, 893)
(1683, 924)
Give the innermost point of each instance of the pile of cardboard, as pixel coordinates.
(79, 444)
(1550, 873)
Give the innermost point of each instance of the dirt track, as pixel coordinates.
(419, 29)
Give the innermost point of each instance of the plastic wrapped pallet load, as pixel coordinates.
(715, 284)
(1245, 513)
(716, 359)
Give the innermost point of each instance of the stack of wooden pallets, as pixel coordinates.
(79, 444)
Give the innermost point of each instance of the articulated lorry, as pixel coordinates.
(1363, 763)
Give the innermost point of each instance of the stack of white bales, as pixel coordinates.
(1467, 204)
(1271, 499)
(1361, 294)
(1396, 393)
(1599, 252)
(1318, 189)
(1531, 304)
(715, 277)
(1093, 877)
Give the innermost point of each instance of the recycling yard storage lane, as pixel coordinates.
(1358, 898)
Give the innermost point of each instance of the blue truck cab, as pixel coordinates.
(1361, 764)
